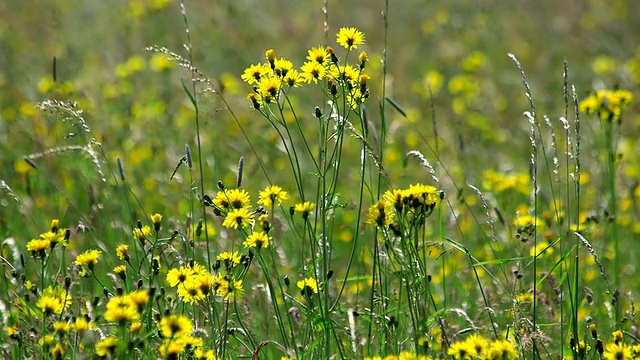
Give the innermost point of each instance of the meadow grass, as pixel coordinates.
(300, 209)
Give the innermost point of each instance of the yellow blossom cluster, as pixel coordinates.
(276, 75)
(608, 104)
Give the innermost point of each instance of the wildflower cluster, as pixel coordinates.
(194, 283)
(403, 208)
(608, 104)
(615, 349)
(477, 347)
(48, 240)
(277, 76)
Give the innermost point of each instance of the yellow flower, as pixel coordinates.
(180, 275)
(460, 350)
(617, 351)
(271, 196)
(38, 247)
(57, 352)
(204, 283)
(175, 326)
(230, 259)
(232, 199)
(82, 324)
(122, 252)
(234, 290)
(106, 346)
(190, 292)
(304, 208)
(269, 88)
(257, 240)
(254, 73)
(282, 67)
(363, 58)
(50, 305)
(477, 345)
(121, 271)
(172, 348)
(308, 283)
(501, 349)
(89, 258)
(141, 233)
(608, 104)
(140, 298)
(313, 72)
(61, 327)
(293, 78)
(349, 38)
(270, 55)
(238, 218)
(381, 214)
(156, 219)
(318, 55)
(121, 309)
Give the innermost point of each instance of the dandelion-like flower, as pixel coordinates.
(308, 285)
(106, 346)
(156, 219)
(318, 55)
(175, 326)
(608, 104)
(619, 351)
(313, 72)
(501, 349)
(122, 251)
(234, 290)
(293, 78)
(257, 240)
(254, 73)
(50, 305)
(229, 259)
(304, 208)
(238, 218)
(350, 38)
(269, 88)
(271, 196)
(89, 258)
(142, 233)
(38, 247)
(180, 275)
(380, 214)
(121, 309)
(232, 199)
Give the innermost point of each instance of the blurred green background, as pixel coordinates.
(134, 103)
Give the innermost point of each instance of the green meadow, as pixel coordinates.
(319, 179)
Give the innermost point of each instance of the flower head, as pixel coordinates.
(608, 104)
(106, 346)
(178, 276)
(89, 258)
(50, 305)
(313, 72)
(318, 55)
(175, 326)
(229, 259)
(350, 38)
(254, 73)
(257, 240)
(232, 199)
(238, 218)
(122, 251)
(271, 196)
(308, 286)
(304, 208)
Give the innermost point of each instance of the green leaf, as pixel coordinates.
(396, 106)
